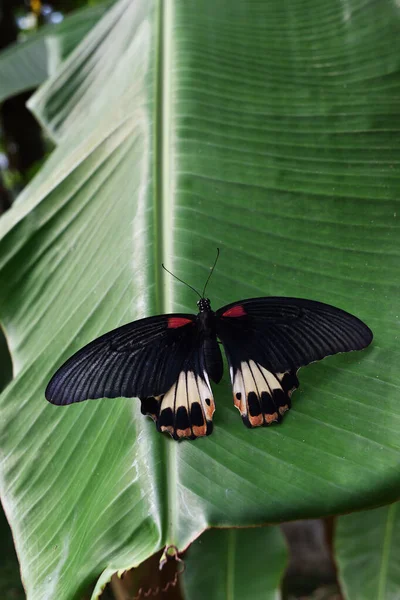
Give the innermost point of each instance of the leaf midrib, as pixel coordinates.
(163, 243)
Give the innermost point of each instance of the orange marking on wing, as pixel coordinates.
(199, 431)
(240, 404)
(168, 429)
(175, 322)
(283, 409)
(209, 409)
(184, 433)
(272, 417)
(256, 421)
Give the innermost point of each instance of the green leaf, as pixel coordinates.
(10, 581)
(235, 563)
(367, 553)
(5, 362)
(253, 128)
(25, 65)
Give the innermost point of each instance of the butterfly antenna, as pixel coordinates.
(211, 272)
(181, 280)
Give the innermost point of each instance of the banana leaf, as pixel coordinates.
(364, 540)
(261, 128)
(28, 63)
(235, 563)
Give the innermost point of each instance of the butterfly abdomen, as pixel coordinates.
(212, 353)
(213, 359)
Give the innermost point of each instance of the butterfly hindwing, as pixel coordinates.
(262, 397)
(186, 409)
(267, 340)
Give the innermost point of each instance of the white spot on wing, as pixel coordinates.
(190, 388)
(169, 398)
(252, 377)
(181, 394)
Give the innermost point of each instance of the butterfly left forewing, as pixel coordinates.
(158, 359)
(141, 358)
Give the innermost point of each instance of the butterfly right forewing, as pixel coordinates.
(267, 340)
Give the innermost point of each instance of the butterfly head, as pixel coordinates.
(204, 305)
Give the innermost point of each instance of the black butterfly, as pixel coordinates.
(168, 360)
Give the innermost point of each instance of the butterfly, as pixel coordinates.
(167, 361)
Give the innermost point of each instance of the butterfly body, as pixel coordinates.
(207, 324)
(167, 361)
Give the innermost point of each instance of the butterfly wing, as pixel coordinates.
(267, 340)
(151, 359)
(186, 409)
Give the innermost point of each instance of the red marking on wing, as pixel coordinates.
(175, 322)
(235, 311)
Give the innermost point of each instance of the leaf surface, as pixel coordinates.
(235, 564)
(256, 128)
(28, 63)
(367, 553)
